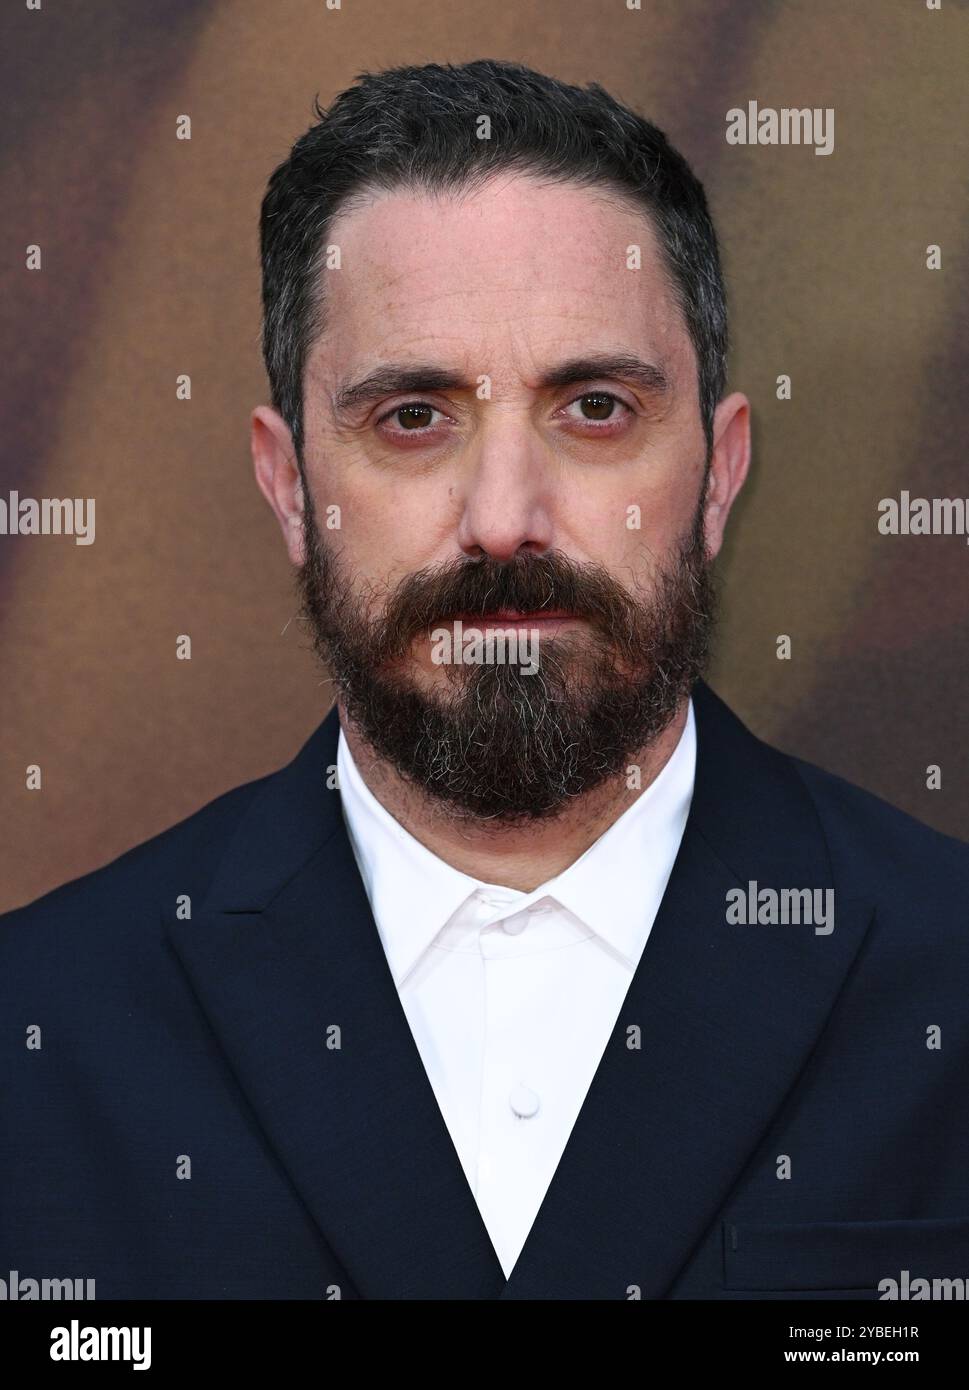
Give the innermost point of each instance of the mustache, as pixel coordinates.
(549, 582)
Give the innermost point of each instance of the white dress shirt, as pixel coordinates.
(511, 997)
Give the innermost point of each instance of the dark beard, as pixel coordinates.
(497, 744)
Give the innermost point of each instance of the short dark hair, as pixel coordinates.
(416, 127)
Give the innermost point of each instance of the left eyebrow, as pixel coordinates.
(394, 378)
(397, 379)
(651, 379)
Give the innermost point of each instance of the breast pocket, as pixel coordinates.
(848, 1258)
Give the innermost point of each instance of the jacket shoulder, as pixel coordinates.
(916, 877)
(875, 825)
(178, 860)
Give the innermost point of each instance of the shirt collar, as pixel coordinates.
(615, 887)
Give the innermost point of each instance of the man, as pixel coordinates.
(534, 975)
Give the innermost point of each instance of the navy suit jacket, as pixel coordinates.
(787, 1128)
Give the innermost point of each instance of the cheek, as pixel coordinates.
(623, 525)
(391, 531)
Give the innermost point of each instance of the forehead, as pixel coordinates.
(515, 266)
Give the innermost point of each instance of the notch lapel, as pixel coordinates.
(728, 1017)
(286, 950)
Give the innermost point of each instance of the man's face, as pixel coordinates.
(504, 479)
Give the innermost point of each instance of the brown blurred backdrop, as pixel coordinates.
(150, 270)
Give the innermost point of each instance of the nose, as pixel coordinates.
(504, 494)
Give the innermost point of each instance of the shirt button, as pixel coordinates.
(523, 1101)
(514, 925)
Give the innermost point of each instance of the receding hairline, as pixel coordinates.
(478, 179)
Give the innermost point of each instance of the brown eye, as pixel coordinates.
(414, 417)
(599, 408)
(597, 405)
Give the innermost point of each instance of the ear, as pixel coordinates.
(277, 473)
(729, 463)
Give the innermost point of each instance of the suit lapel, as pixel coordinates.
(285, 951)
(728, 1016)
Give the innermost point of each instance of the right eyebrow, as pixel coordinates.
(394, 379)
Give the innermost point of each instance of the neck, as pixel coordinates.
(521, 857)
